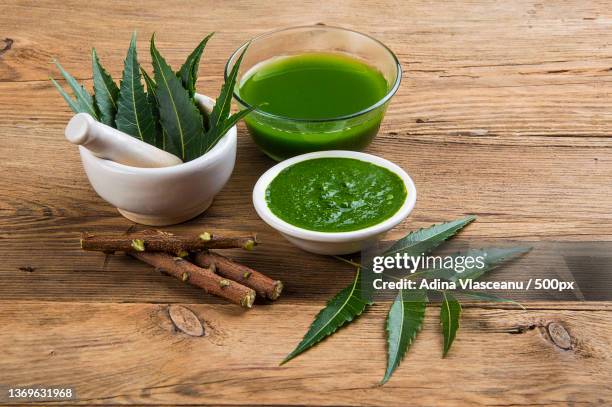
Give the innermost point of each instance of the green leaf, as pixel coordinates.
(151, 85)
(83, 101)
(205, 121)
(221, 110)
(231, 121)
(492, 257)
(340, 310)
(106, 90)
(481, 296)
(425, 240)
(450, 312)
(134, 114)
(179, 115)
(189, 71)
(404, 321)
(235, 118)
(161, 137)
(74, 106)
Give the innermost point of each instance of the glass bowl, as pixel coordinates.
(282, 137)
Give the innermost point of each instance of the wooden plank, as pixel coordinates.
(62, 272)
(119, 353)
(48, 202)
(439, 38)
(454, 175)
(548, 63)
(504, 112)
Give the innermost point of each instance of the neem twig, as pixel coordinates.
(204, 278)
(163, 242)
(263, 285)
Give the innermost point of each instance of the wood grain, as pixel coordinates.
(504, 112)
(132, 353)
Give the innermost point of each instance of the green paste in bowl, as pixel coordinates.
(335, 194)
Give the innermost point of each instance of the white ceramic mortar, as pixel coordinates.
(168, 195)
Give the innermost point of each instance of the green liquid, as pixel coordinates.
(335, 194)
(314, 86)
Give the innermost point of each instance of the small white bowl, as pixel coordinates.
(168, 195)
(331, 243)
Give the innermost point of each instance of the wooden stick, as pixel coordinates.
(157, 241)
(204, 278)
(262, 284)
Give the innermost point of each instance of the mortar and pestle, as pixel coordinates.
(148, 185)
(106, 142)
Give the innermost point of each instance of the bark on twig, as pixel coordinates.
(263, 285)
(204, 278)
(163, 242)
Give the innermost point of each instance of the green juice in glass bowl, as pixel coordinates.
(315, 88)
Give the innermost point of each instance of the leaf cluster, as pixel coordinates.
(407, 312)
(165, 113)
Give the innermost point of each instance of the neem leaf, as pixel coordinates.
(179, 115)
(425, 240)
(404, 321)
(189, 71)
(232, 120)
(134, 114)
(221, 110)
(106, 90)
(160, 134)
(83, 102)
(74, 106)
(340, 310)
(492, 257)
(450, 312)
(151, 85)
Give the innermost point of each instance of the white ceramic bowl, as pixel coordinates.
(336, 243)
(169, 195)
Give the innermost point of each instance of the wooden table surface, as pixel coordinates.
(505, 111)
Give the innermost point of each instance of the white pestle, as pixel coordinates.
(105, 142)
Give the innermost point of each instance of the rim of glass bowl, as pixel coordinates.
(381, 102)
